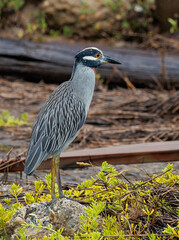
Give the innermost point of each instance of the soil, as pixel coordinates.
(116, 117)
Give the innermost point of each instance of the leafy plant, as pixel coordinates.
(174, 231)
(84, 8)
(15, 191)
(8, 120)
(11, 4)
(15, 4)
(90, 220)
(54, 33)
(135, 16)
(41, 22)
(117, 210)
(31, 28)
(38, 25)
(174, 25)
(31, 197)
(6, 214)
(67, 31)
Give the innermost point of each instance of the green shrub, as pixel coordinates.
(116, 210)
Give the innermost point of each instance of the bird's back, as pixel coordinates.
(57, 124)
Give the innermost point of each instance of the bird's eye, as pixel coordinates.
(97, 55)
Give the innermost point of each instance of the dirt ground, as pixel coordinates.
(116, 117)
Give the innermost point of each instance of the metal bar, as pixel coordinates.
(126, 154)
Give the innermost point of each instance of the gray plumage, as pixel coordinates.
(63, 114)
(61, 117)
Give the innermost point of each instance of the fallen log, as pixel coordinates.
(126, 154)
(53, 62)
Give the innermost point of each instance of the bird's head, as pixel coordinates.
(93, 57)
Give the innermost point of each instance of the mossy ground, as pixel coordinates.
(116, 209)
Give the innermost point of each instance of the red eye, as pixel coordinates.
(97, 55)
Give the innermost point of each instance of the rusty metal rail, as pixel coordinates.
(126, 154)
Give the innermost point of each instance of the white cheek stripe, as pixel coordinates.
(90, 58)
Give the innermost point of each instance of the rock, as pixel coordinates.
(63, 213)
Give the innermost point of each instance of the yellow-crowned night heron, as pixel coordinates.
(64, 113)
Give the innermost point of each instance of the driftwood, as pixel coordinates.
(54, 61)
(128, 154)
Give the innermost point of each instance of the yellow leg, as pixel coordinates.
(53, 178)
(57, 163)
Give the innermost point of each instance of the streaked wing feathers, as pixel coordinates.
(58, 122)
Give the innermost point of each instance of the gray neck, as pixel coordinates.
(83, 83)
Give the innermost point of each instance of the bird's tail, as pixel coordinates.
(34, 158)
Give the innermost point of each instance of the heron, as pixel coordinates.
(63, 114)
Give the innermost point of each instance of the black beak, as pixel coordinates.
(106, 59)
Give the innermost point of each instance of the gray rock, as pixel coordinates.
(62, 213)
